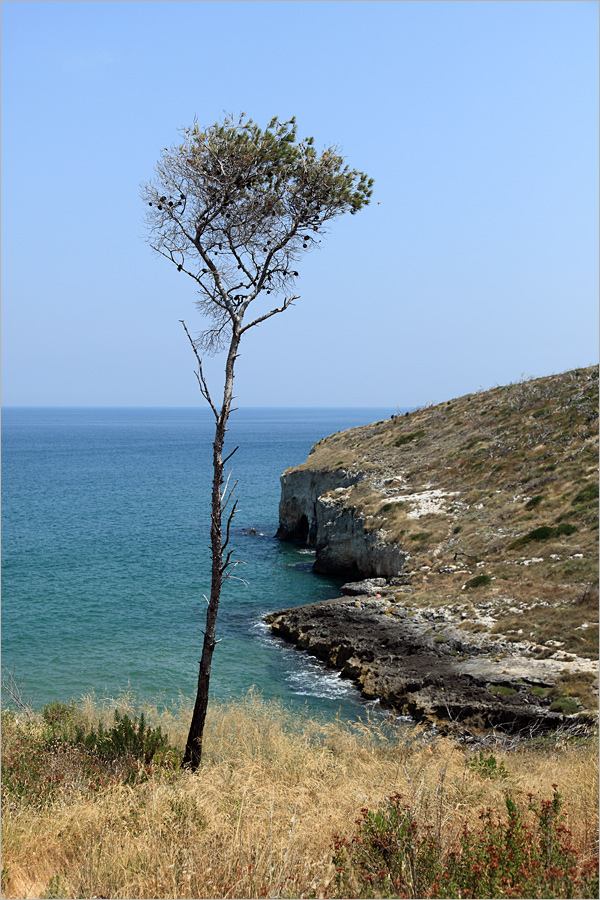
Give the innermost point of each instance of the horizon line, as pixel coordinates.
(145, 406)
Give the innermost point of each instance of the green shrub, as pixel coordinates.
(543, 533)
(59, 714)
(42, 758)
(529, 853)
(534, 502)
(590, 492)
(126, 739)
(407, 438)
(565, 528)
(501, 690)
(565, 705)
(477, 581)
(487, 766)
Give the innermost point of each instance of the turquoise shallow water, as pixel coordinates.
(105, 554)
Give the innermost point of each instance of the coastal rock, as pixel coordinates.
(300, 490)
(366, 587)
(316, 509)
(394, 657)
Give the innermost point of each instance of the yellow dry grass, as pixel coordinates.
(259, 818)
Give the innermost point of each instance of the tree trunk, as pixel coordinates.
(193, 750)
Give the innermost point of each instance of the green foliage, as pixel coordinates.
(565, 528)
(539, 691)
(477, 581)
(501, 690)
(126, 738)
(407, 438)
(235, 205)
(589, 493)
(534, 502)
(528, 853)
(543, 533)
(487, 766)
(59, 714)
(43, 758)
(24, 769)
(565, 705)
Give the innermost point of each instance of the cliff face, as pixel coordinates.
(317, 509)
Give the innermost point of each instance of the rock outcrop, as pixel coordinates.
(394, 655)
(316, 508)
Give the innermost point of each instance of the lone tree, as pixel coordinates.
(234, 207)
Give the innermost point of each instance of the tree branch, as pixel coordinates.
(200, 374)
(273, 312)
(229, 521)
(227, 458)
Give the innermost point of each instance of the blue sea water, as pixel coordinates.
(105, 554)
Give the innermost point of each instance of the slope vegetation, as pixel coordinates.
(491, 503)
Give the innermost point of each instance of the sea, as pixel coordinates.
(106, 559)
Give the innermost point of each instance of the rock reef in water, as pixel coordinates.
(473, 525)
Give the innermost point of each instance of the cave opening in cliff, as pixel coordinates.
(301, 530)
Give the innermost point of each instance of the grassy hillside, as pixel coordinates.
(495, 497)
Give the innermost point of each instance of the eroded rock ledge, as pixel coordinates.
(392, 653)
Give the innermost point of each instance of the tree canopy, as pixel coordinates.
(235, 207)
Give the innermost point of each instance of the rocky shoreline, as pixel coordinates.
(395, 654)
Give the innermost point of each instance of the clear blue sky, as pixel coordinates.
(475, 264)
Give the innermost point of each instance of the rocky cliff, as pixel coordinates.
(481, 517)
(317, 509)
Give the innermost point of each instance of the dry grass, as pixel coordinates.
(260, 817)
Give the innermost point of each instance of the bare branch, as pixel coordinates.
(226, 504)
(200, 374)
(227, 563)
(224, 491)
(273, 312)
(227, 458)
(236, 578)
(229, 521)
(13, 689)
